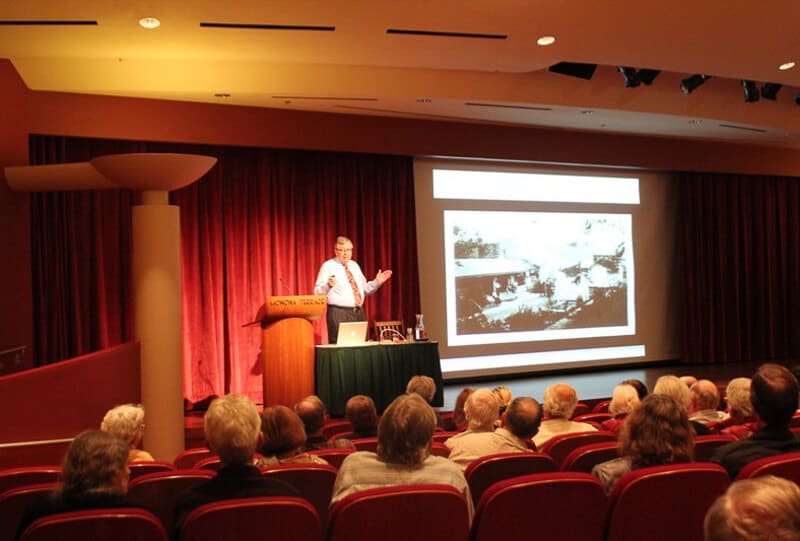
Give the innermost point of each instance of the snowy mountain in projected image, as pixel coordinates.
(525, 276)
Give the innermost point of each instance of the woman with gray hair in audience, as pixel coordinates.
(127, 422)
(623, 401)
(742, 421)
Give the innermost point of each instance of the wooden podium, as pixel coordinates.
(287, 347)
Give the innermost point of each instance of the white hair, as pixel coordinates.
(675, 389)
(560, 401)
(764, 508)
(232, 428)
(482, 410)
(623, 400)
(126, 421)
(737, 394)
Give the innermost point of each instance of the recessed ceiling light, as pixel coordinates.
(695, 121)
(544, 41)
(222, 95)
(149, 22)
(587, 112)
(786, 66)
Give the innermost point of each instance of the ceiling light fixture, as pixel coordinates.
(690, 84)
(786, 66)
(629, 76)
(769, 91)
(647, 76)
(751, 93)
(149, 23)
(544, 41)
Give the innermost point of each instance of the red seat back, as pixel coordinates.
(212, 463)
(17, 477)
(443, 436)
(143, 468)
(276, 518)
(592, 418)
(487, 470)
(586, 457)
(400, 513)
(13, 504)
(574, 503)
(334, 456)
(190, 457)
(366, 444)
(332, 428)
(313, 481)
(560, 446)
(440, 449)
(786, 465)
(158, 492)
(601, 407)
(704, 446)
(113, 524)
(664, 503)
(581, 408)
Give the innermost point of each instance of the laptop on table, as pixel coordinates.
(352, 333)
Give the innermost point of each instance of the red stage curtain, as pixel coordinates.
(740, 267)
(258, 224)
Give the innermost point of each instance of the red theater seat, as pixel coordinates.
(664, 503)
(572, 507)
(273, 518)
(483, 472)
(400, 513)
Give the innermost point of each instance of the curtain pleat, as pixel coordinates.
(740, 267)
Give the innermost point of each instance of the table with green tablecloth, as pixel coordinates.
(380, 371)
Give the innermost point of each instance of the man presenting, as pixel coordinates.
(341, 280)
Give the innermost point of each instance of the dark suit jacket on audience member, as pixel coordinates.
(766, 442)
(51, 504)
(235, 481)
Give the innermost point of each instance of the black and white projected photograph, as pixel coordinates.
(526, 276)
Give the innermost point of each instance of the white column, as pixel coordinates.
(157, 319)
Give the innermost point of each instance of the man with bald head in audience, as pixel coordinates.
(559, 404)
(704, 404)
(773, 392)
(520, 422)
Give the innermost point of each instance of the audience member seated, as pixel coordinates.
(283, 438)
(704, 403)
(676, 389)
(559, 405)
(641, 388)
(520, 423)
(233, 431)
(503, 396)
(127, 422)
(773, 393)
(312, 412)
(655, 433)
(623, 401)
(760, 509)
(742, 421)
(405, 432)
(426, 388)
(360, 411)
(459, 415)
(94, 476)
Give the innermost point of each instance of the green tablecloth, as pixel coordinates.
(380, 371)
